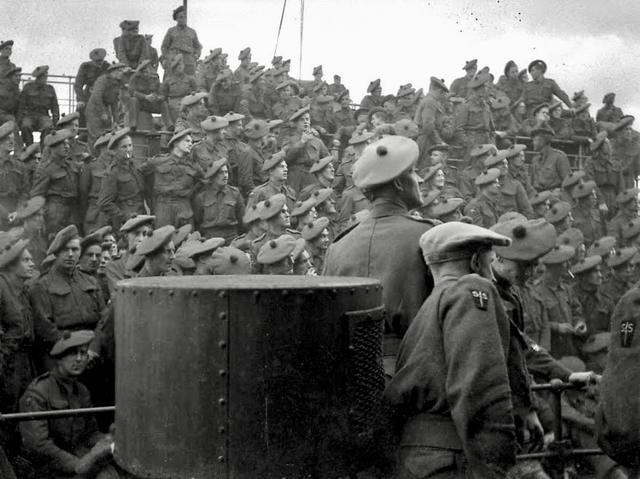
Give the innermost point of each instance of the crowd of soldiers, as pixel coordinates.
(264, 174)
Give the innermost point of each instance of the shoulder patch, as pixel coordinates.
(627, 329)
(480, 298)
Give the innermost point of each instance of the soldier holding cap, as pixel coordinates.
(483, 209)
(57, 180)
(452, 386)
(278, 171)
(430, 117)
(68, 446)
(13, 178)
(102, 106)
(88, 73)
(219, 206)
(540, 89)
(37, 101)
(181, 39)
(622, 270)
(549, 166)
(193, 111)
(627, 202)
(386, 175)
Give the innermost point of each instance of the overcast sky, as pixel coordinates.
(588, 44)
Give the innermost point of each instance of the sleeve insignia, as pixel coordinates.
(480, 298)
(627, 328)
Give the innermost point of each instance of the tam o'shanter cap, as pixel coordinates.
(431, 171)
(129, 24)
(530, 239)
(214, 123)
(406, 128)
(29, 151)
(586, 264)
(256, 129)
(573, 178)
(631, 229)
(230, 260)
(540, 197)
(97, 54)
(57, 136)
(597, 342)
(232, 116)
(158, 238)
(558, 212)
(179, 135)
(361, 138)
(313, 229)
(192, 99)
(303, 207)
(438, 83)
(384, 160)
(62, 238)
(572, 237)
(583, 190)
(373, 85)
(322, 195)
(95, 237)
(627, 195)
(115, 137)
(621, 257)
(320, 164)
(40, 70)
(603, 246)
(299, 113)
(244, 53)
(30, 207)
(488, 177)
(252, 213)
(208, 246)
(71, 339)
(446, 206)
(273, 206)
(486, 149)
(469, 64)
(12, 251)
(559, 254)
(5, 44)
(510, 216)
(276, 250)
(181, 234)
(275, 159)
(137, 221)
(215, 167)
(64, 119)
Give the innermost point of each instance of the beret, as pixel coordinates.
(538, 107)
(540, 197)
(61, 238)
(299, 113)
(621, 257)
(542, 130)
(582, 108)
(432, 197)
(178, 10)
(192, 99)
(156, 240)
(373, 85)
(603, 246)
(470, 64)
(40, 70)
(573, 178)
(213, 54)
(479, 80)
(405, 90)
(384, 160)
(361, 138)
(215, 167)
(631, 229)
(585, 265)
(256, 129)
(181, 234)
(538, 64)
(7, 129)
(626, 120)
(117, 66)
(230, 260)
(583, 189)
(343, 94)
(558, 212)
(320, 164)
(244, 53)
(57, 136)
(486, 149)
(439, 147)
(232, 116)
(179, 135)
(510, 216)
(578, 95)
(95, 237)
(530, 239)
(97, 54)
(488, 177)
(496, 159)
(64, 119)
(252, 213)
(431, 171)
(29, 151)
(287, 83)
(572, 237)
(303, 207)
(559, 254)
(47, 262)
(71, 339)
(600, 137)
(322, 195)
(102, 140)
(5, 44)
(223, 75)
(273, 206)
(207, 246)
(181, 259)
(129, 24)
(135, 261)
(30, 207)
(274, 160)
(137, 221)
(11, 251)
(407, 128)
(274, 123)
(276, 60)
(438, 83)
(446, 206)
(313, 229)
(627, 195)
(456, 240)
(596, 342)
(608, 97)
(115, 137)
(317, 70)
(276, 250)
(213, 123)
(514, 150)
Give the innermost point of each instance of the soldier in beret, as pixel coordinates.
(57, 180)
(79, 151)
(212, 147)
(585, 214)
(606, 173)
(13, 177)
(568, 184)
(91, 178)
(540, 89)
(510, 83)
(560, 126)
(225, 94)
(625, 145)
(254, 226)
(9, 94)
(483, 209)
(240, 165)
(157, 251)
(627, 202)
(145, 95)
(459, 86)
(541, 202)
(513, 195)
(201, 254)
(385, 173)
(181, 39)
(258, 104)
(102, 106)
(559, 215)
(131, 47)
(374, 97)
(242, 73)
(609, 113)
(193, 111)
(91, 251)
(88, 73)
(278, 172)
(583, 126)
(538, 118)
(67, 446)
(276, 256)
(38, 105)
(473, 119)
(468, 176)
(6, 49)
(176, 86)
(430, 117)
(316, 236)
(256, 132)
(324, 173)
(622, 270)
(549, 166)
(229, 260)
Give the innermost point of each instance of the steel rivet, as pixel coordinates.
(222, 315)
(222, 401)
(222, 344)
(220, 458)
(222, 372)
(222, 430)
(194, 293)
(223, 294)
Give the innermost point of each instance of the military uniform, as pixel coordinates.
(223, 100)
(430, 118)
(122, 192)
(541, 91)
(197, 133)
(609, 113)
(254, 157)
(626, 152)
(13, 185)
(260, 241)
(548, 168)
(267, 190)
(219, 212)
(205, 153)
(9, 100)
(131, 48)
(482, 211)
(240, 164)
(90, 182)
(607, 174)
(513, 197)
(258, 105)
(141, 84)
(243, 242)
(36, 101)
(597, 307)
(300, 157)
(460, 86)
(587, 220)
(182, 39)
(174, 89)
(614, 288)
(88, 73)
(512, 87)
(102, 106)
(474, 120)
(617, 224)
(351, 201)
(284, 109)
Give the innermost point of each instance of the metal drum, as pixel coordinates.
(246, 376)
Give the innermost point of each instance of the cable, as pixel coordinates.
(301, 35)
(284, 7)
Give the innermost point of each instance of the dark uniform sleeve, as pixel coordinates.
(35, 434)
(81, 81)
(40, 183)
(560, 93)
(53, 105)
(541, 364)
(44, 325)
(477, 384)
(108, 195)
(524, 205)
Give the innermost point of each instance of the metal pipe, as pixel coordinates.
(570, 452)
(35, 415)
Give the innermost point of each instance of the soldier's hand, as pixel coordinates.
(565, 328)
(584, 378)
(536, 432)
(603, 207)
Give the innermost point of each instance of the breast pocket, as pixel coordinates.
(61, 428)
(63, 305)
(127, 186)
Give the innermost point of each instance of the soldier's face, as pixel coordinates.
(504, 167)
(235, 128)
(284, 218)
(538, 142)
(90, 259)
(517, 160)
(6, 52)
(7, 145)
(74, 361)
(329, 206)
(376, 92)
(329, 172)
(437, 156)
(69, 256)
(184, 145)
(323, 241)
(493, 189)
(438, 179)
(221, 178)
(135, 237)
(345, 102)
(105, 258)
(594, 277)
(61, 149)
(556, 112)
(627, 271)
(542, 114)
(280, 172)
(163, 259)
(536, 72)
(125, 147)
(25, 266)
(513, 72)
(74, 127)
(181, 18)
(480, 263)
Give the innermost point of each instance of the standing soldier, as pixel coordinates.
(153, 53)
(57, 180)
(374, 99)
(90, 182)
(626, 150)
(510, 83)
(208, 69)
(13, 177)
(37, 100)
(337, 88)
(540, 89)
(601, 168)
(459, 86)
(256, 132)
(144, 95)
(627, 210)
(452, 387)
(121, 193)
(193, 111)
(182, 39)
(174, 180)
(585, 215)
(176, 86)
(79, 151)
(225, 94)
(587, 289)
(219, 208)
(30, 158)
(242, 73)
(258, 106)
(130, 47)
(212, 147)
(276, 169)
(609, 113)
(483, 209)
(10, 95)
(6, 48)
(386, 175)
(86, 77)
(430, 117)
(549, 166)
(473, 118)
(102, 107)
(479, 155)
(240, 166)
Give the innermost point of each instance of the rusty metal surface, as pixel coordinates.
(246, 376)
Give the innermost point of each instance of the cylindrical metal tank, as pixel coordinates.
(246, 376)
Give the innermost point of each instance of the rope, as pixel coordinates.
(301, 35)
(284, 7)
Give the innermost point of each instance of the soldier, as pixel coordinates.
(6, 49)
(224, 95)
(30, 215)
(181, 39)
(144, 92)
(609, 113)
(585, 215)
(583, 126)
(253, 224)
(10, 95)
(597, 307)
(549, 166)
(79, 151)
(459, 86)
(91, 251)
(37, 101)
(208, 69)
(483, 208)
(68, 446)
(122, 189)
(357, 144)
(559, 215)
(430, 118)
(513, 196)
(174, 179)
(276, 256)
(541, 203)
(385, 174)
(193, 111)
(219, 207)
(560, 126)
(240, 165)
(324, 173)
(510, 83)
(102, 107)
(88, 73)
(540, 89)
(242, 73)
(343, 118)
(256, 132)
(473, 118)
(57, 180)
(212, 147)
(30, 158)
(503, 119)
(176, 86)
(229, 260)
(621, 277)
(563, 310)
(277, 170)
(631, 233)
(607, 175)
(316, 236)
(374, 98)
(13, 177)
(627, 201)
(130, 47)
(626, 150)
(468, 176)
(258, 106)
(90, 182)
(288, 102)
(337, 88)
(461, 316)
(201, 255)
